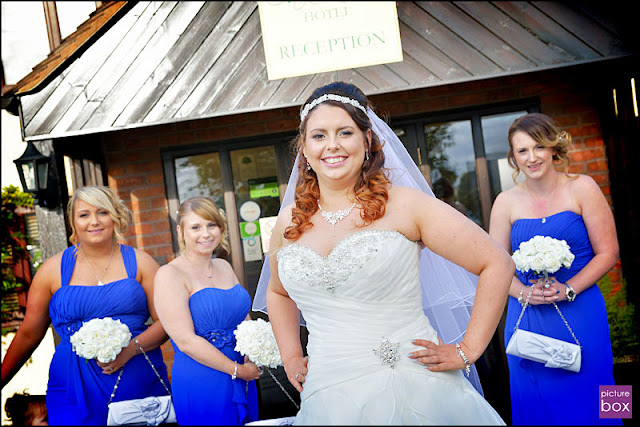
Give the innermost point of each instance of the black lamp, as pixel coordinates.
(34, 171)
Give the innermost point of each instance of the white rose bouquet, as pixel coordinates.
(101, 339)
(255, 339)
(543, 255)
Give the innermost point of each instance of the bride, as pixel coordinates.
(381, 272)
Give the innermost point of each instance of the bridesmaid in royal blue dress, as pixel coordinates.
(95, 278)
(200, 303)
(571, 208)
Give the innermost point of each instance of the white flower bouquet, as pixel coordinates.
(101, 339)
(255, 339)
(543, 255)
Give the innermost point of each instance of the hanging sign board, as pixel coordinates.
(303, 38)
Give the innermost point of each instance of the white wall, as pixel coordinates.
(12, 147)
(34, 375)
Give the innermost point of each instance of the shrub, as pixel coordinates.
(620, 313)
(12, 243)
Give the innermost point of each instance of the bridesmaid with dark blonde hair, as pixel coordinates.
(552, 202)
(200, 303)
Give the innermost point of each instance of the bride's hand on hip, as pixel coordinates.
(296, 369)
(437, 357)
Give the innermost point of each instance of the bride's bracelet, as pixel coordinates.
(467, 365)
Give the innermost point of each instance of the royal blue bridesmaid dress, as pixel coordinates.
(78, 391)
(203, 395)
(552, 396)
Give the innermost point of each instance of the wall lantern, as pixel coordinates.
(34, 171)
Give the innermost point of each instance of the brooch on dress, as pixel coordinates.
(388, 352)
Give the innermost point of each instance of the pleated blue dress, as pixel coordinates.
(552, 396)
(203, 395)
(78, 391)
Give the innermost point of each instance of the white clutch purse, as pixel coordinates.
(554, 353)
(149, 411)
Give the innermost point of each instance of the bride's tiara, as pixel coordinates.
(330, 97)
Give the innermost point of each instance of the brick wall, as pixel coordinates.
(134, 164)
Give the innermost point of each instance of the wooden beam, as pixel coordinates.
(53, 24)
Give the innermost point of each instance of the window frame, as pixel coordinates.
(279, 141)
(416, 123)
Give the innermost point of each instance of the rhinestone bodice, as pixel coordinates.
(367, 275)
(299, 262)
(362, 302)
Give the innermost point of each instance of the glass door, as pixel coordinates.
(496, 145)
(200, 175)
(452, 159)
(257, 199)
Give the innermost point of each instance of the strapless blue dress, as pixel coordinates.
(552, 396)
(78, 391)
(203, 395)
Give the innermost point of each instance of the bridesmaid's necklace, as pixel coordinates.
(334, 217)
(546, 209)
(91, 267)
(208, 276)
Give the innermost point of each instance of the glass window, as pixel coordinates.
(496, 146)
(463, 155)
(453, 166)
(199, 175)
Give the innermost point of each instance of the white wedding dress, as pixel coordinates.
(362, 306)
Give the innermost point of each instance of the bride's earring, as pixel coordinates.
(308, 165)
(366, 155)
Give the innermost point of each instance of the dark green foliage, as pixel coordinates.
(12, 198)
(622, 329)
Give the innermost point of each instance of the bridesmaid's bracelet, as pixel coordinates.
(138, 346)
(467, 365)
(235, 371)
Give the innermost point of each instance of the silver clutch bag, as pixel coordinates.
(149, 411)
(554, 353)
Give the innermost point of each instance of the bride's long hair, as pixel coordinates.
(371, 187)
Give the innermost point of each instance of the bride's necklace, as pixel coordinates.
(91, 267)
(546, 209)
(334, 217)
(208, 276)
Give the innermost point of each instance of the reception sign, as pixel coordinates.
(314, 37)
